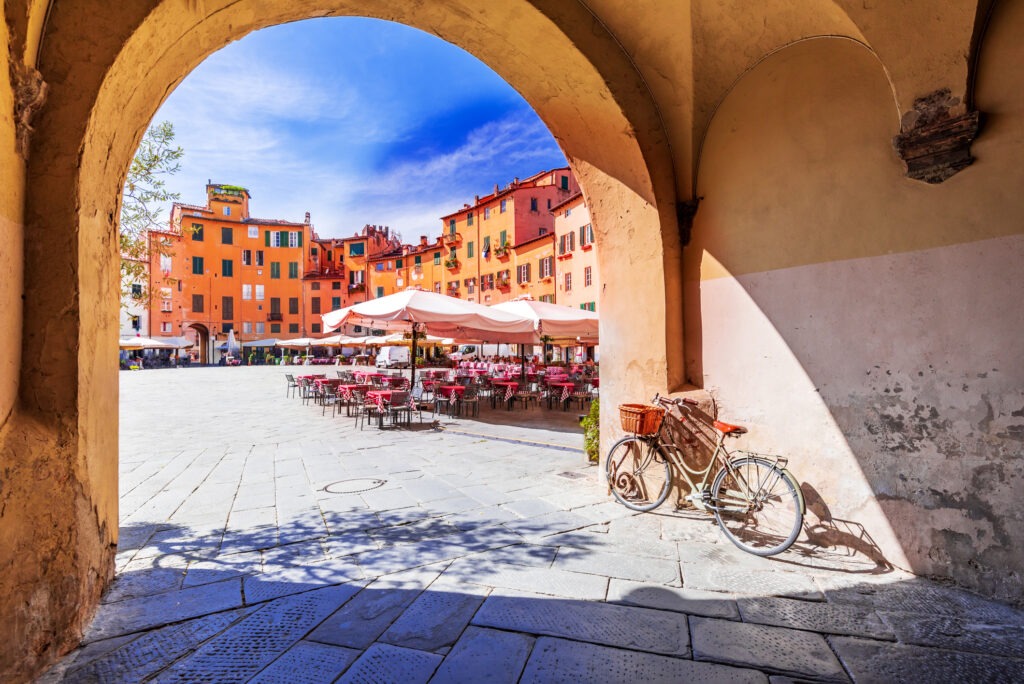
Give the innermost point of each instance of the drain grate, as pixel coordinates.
(354, 486)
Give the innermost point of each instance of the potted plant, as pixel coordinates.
(592, 432)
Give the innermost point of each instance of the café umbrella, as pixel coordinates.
(421, 311)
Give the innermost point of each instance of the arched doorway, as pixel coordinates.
(200, 337)
(591, 98)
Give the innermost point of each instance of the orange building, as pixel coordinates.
(404, 266)
(576, 276)
(339, 272)
(227, 271)
(479, 239)
(534, 268)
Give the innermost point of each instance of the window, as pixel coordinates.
(549, 205)
(357, 249)
(379, 266)
(417, 260)
(165, 327)
(246, 292)
(398, 263)
(437, 286)
(523, 273)
(335, 303)
(260, 327)
(136, 322)
(197, 266)
(568, 212)
(227, 268)
(550, 299)
(259, 257)
(293, 305)
(197, 232)
(565, 182)
(437, 258)
(533, 204)
(293, 327)
(503, 238)
(254, 231)
(380, 292)
(227, 236)
(293, 239)
(451, 226)
(275, 305)
(487, 282)
(588, 279)
(316, 327)
(586, 235)
(314, 286)
(247, 326)
(545, 266)
(470, 285)
(469, 219)
(227, 306)
(487, 213)
(247, 257)
(259, 293)
(165, 305)
(165, 264)
(136, 290)
(568, 281)
(504, 205)
(227, 211)
(542, 231)
(275, 328)
(336, 285)
(293, 269)
(314, 305)
(275, 269)
(469, 250)
(487, 246)
(589, 306)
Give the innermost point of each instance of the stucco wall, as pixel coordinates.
(865, 324)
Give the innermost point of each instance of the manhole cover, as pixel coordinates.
(354, 486)
(572, 475)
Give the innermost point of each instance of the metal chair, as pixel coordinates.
(292, 385)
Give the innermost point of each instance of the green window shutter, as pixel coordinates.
(502, 238)
(300, 238)
(284, 238)
(266, 237)
(418, 260)
(398, 263)
(469, 250)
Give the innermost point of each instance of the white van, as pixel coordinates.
(474, 352)
(393, 357)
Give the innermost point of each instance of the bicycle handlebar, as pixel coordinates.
(682, 402)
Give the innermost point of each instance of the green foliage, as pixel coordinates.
(592, 432)
(142, 205)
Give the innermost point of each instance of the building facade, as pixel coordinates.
(577, 281)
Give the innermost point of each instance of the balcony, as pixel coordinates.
(329, 272)
(503, 252)
(356, 287)
(451, 263)
(273, 316)
(452, 239)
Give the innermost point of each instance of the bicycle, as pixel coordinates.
(756, 502)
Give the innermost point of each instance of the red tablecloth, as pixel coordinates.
(380, 397)
(310, 377)
(566, 388)
(449, 390)
(345, 391)
(321, 382)
(596, 382)
(510, 387)
(365, 377)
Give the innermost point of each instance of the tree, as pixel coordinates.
(143, 204)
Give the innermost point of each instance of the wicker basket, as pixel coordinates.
(641, 419)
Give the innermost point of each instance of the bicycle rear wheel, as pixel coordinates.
(758, 505)
(638, 474)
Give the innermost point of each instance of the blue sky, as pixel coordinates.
(356, 121)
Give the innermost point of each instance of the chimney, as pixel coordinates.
(476, 199)
(307, 218)
(495, 188)
(515, 181)
(423, 241)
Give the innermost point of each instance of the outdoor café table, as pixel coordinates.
(510, 388)
(451, 392)
(566, 388)
(596, 382)
(345, 393)
(382, 398)
(366, 376)
(311, 377)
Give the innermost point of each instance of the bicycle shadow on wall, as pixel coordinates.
(825, 541)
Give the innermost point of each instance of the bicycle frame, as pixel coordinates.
(700, 495)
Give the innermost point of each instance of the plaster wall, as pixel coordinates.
(863, 324)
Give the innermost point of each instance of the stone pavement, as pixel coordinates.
(264, 541)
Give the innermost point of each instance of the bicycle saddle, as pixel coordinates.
(727, 429)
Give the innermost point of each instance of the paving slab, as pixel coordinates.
(679, 599)
(825, 618)
(959, 634)
(434, 620)
(737, 580)
(556, 661)
(880, 661)
(619, 565)
(487, 656)
(640, 629)
(359, 622)
(538, 580)
(309, 663)
(769, 649)
(387, 663)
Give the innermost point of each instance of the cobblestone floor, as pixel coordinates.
(264, 541)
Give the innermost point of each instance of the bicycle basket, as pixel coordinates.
(641, 419)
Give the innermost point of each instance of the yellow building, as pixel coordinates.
(576, 272)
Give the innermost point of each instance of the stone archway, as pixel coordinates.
(108, 73)
(202, 342)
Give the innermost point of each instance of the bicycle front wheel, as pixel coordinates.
(638, 473)
(757, 505)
